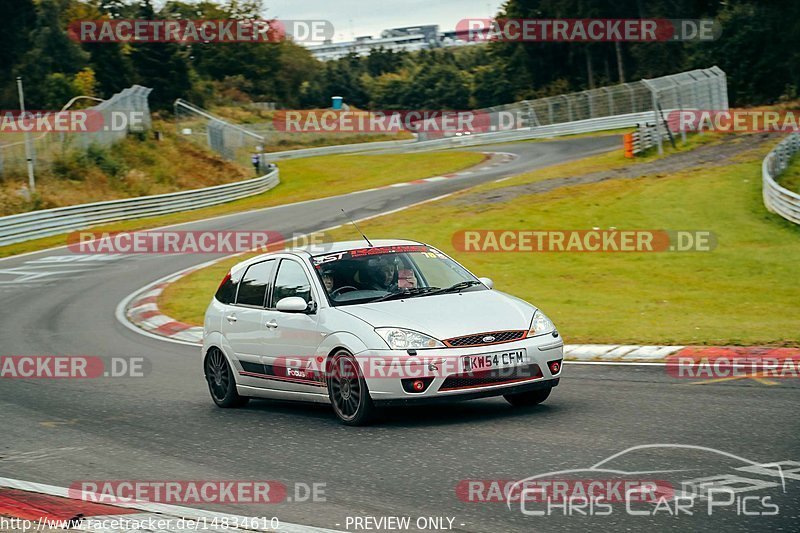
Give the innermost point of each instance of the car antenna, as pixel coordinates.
(353, 222)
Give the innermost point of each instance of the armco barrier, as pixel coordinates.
(778, 199)
(538, 132)
(26, 226)
(590, 125)
(647, 135)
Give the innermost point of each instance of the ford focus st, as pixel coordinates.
(363, 325)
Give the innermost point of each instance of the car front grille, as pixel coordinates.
(486, 378)
(478, 339)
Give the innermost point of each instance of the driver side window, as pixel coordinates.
(290, 281)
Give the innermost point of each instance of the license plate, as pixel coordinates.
(489, 361)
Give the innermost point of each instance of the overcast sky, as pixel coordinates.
(368, 17)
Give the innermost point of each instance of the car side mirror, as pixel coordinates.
(487, 281)
(293, 304)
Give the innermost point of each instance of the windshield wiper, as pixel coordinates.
(458, 287)
(410, 292)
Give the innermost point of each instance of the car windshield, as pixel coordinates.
(390, 272)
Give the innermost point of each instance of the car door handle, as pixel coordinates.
(231, 318)
(271, 324)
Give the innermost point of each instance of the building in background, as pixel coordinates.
(408, 39)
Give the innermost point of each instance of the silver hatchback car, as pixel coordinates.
(360, 325)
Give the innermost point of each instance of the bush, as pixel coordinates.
(74, 165)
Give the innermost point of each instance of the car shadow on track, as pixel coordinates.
(445, 414)
(461, 413)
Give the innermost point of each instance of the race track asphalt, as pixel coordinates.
(164, 426)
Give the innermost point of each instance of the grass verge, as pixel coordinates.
(745, 292)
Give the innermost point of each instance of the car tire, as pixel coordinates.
(348, 392)
(221, 383)
(528, 399)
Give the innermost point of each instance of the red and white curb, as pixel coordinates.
(618, 352)
(142, 311)
(139, 311)
(49, 506)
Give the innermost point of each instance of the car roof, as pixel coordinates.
(343, 246)
(326, 248)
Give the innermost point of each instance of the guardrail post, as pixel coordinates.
(656, 118)
(610, 102)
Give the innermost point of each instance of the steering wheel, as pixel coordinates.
(336, 292)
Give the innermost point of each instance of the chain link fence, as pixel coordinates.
(125, 112)
(229, 140)
(704, 89)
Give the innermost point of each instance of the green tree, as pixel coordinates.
(19, 21)
(160, 66)
(759, 50)
(51, 52)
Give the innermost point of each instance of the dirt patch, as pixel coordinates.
(712, 155)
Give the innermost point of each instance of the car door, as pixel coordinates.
(244, 321)
(292, 354)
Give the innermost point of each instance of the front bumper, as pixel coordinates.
(473, 394)
(446, 379)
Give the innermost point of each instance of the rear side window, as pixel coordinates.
(254, 287)
(226, 292)
(291, 281)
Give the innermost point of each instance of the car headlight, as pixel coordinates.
(540, 325)
(406, 339)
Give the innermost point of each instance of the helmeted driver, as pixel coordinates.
(384, 276)
(327, 279)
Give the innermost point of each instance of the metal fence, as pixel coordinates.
(618, 106)
(232, 142)
(697, 89)
(26, 226)
(778, 199)
(48, 147)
